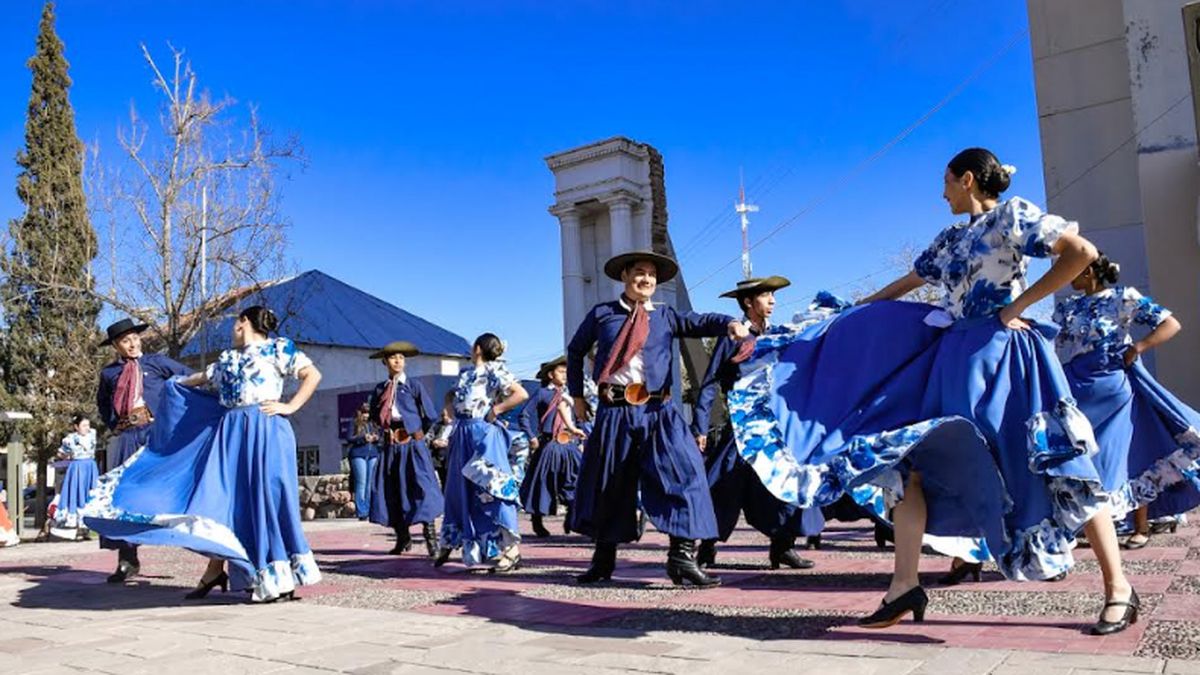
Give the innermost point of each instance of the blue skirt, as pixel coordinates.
(80, 477)
(642, 452)
(481, 493)
(983, 413)
(736, 489)
(551, 478)
(406, 488)
(217, 481)
(1149, 440)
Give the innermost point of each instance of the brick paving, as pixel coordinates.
(377, 613)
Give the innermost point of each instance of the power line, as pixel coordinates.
(841, 182)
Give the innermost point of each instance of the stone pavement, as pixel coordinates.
(377, 613)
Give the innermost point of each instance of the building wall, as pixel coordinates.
(1105, 71)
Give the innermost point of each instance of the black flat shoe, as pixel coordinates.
(125, 571)
(203, 589)
(957, 574)
(1132, 605)
(891, 613)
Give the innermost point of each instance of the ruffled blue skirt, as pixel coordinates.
(481, 493)
(982, 412)
(80, 477)
(217, 481)
(550, 481)
(1149, 440)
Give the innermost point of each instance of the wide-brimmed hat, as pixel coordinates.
(398, 347)
(667, 268)
(122, 327)
(756, 286)
(544, 370)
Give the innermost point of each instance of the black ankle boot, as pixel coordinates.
(539, 530)
(403, 542)
(681, 565)
(431, 538)
(604, 561)
(782, 554)
(706, 555)
(567, 521)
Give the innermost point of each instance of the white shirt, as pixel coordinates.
(400, 379)
(634, 371)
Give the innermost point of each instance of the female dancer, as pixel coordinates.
(481, 490)
(219, 474)
(548, 419)
(1149, 440)
(962, 413)
(79, 449)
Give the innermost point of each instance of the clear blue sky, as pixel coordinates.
(426, 124)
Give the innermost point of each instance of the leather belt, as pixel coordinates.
(138, 417)
(633, 394)
(399, 436)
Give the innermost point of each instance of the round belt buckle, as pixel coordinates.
(563, 437)
(637, 394)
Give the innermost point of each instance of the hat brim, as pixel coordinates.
(385, 352)
(668, 269)
(544, 371)
(772, 283)
(136, 328)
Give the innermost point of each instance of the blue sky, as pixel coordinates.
(426, 124)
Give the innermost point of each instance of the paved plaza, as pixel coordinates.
(377, 613)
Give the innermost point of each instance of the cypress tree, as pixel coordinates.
(49, 364)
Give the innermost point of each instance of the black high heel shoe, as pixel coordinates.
(203, 589)
(1132, 605)
(890, 613)
(882, 536)
(957, 574)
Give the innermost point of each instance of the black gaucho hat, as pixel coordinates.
(667, 268)
(120, 328)
(756, 286)
(398, 347)
(544, 371)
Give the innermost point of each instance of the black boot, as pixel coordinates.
(567, 521)
(128, 565)
(604, 561)
(403, 541)
(641, 525)
(813, 542)
(882, 536)
(539, 530)
(706, 555)
(431, 539)
(681, 565)
(782, 554)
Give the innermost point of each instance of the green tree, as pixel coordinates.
(50, 359)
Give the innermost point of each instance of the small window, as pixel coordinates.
(308, 460)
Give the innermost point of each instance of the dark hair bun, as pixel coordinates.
(77, 418)
(1106, 271)
(261, 319)
(992, 177)
(490, 346)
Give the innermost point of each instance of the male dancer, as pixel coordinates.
(406, 486)
(130, 391)
(640, 439)
(734, 485)
(544, 489)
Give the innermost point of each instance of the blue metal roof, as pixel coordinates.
(315, 308)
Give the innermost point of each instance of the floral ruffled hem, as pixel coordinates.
(494, 482)
(479, 552)
(1180, 466)
(282, 576)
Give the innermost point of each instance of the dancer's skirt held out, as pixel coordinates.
(218, 481)
(736, 489)
(647, 447)
(406, 488)
(550, 481)
(482, 493)
(982, 412)
(1149, 440)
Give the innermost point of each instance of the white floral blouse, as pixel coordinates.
(480, 387)
(1103, 320)
(255, 373)
(79, 446)
(982, 263)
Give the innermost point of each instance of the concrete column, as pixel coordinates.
(572, 275)
(620, 219)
